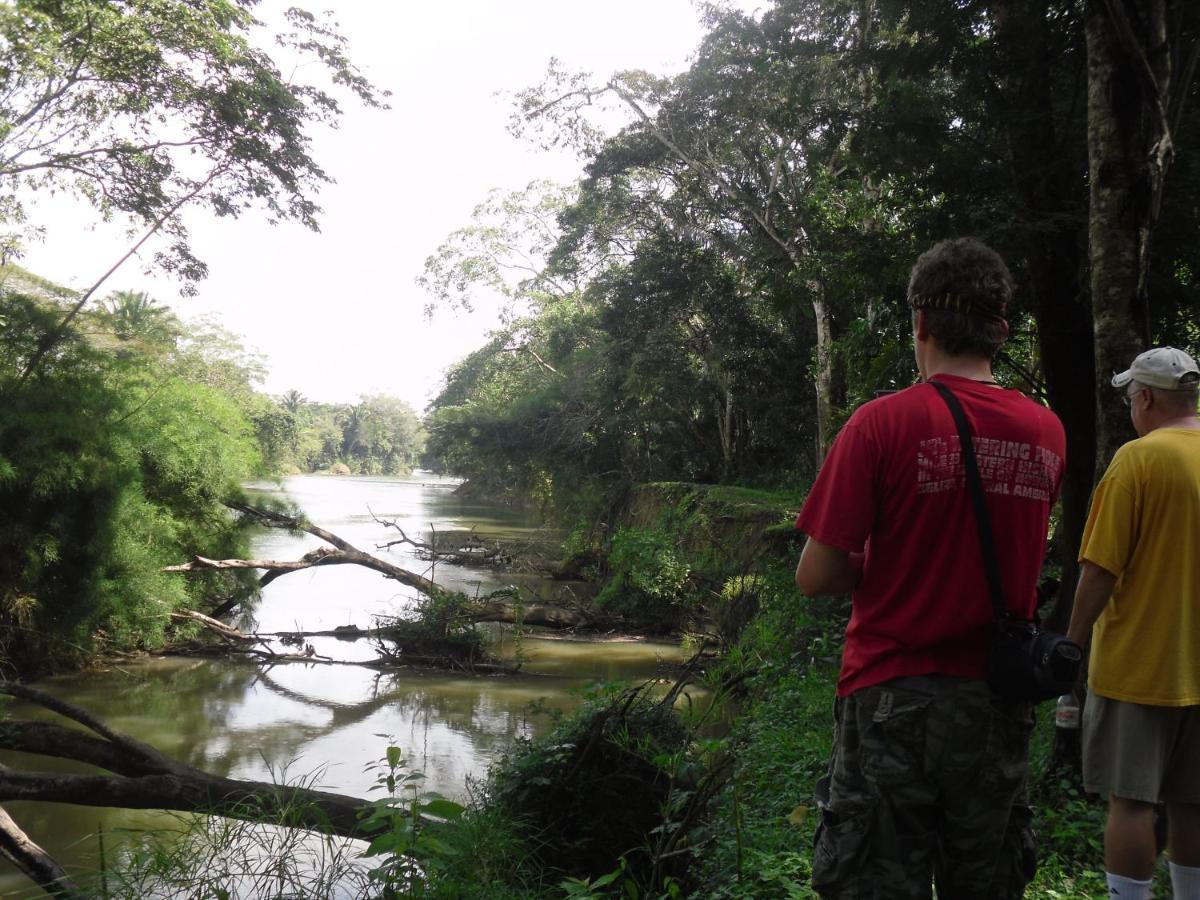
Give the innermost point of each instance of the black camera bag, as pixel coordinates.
(1027, 662)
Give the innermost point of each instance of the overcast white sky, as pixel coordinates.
(337, 313)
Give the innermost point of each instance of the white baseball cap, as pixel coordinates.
(1163, 367)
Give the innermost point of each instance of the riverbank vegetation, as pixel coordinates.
(725, 285)
(115, 464)
(120, 457)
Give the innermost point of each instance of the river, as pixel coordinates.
(325, 722)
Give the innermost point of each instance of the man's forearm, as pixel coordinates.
(847, 578)
(1091, 596)
(828, 571)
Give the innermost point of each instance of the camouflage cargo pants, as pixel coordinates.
(926, 784)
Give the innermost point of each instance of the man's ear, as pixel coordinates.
(920, 329)
(1004, 327)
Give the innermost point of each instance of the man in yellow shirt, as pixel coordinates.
(1139, 598)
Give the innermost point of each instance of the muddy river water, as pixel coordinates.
(327, 722)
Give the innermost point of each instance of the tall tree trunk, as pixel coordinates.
(825, 377)
(1045, 163)
(725, 424)
(1128, 153)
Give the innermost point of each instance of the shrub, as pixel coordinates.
(649, 583)
(595, 788)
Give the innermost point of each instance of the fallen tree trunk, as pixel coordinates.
(320, 557)
(344, 553)
(144, 778)
(487, 609)
(227, 632)
(36, 863)
(399, 661)
(406, 653)
(192, 791)
(542, 615)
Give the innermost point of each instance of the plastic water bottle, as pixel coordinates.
(1066, 731)
(1066, 713)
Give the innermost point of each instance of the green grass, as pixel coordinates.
(1069, 824)
(763, 830)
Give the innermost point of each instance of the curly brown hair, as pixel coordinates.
(971, 279)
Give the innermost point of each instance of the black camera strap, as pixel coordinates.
(983, 522)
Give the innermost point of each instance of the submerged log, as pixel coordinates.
(539, 614)
(471, 552)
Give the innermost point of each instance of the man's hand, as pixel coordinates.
(1091, 596)
(827, 571)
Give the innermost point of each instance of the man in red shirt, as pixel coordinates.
(927, 777)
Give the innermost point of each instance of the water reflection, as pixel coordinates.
(235, 719)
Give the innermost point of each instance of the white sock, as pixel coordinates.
(1185, 881)
(1127, 888)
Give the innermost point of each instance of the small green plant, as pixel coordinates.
(410, 828)
(590, 888)
(620, 882)
(431, 847)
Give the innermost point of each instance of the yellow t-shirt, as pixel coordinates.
(1144, 527)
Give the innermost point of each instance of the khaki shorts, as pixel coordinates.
(1139, 752)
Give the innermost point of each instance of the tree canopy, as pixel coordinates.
(738, 251)
(141, 106)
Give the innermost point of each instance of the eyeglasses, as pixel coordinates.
(1128, 397)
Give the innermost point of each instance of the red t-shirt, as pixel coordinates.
(894, 485)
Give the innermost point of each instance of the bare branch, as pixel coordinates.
(227, 632)
(525, 348)
(47, 343)
(348, 554)
(65, 160)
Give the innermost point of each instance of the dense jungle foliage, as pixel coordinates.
(121, 432)
(115, 460)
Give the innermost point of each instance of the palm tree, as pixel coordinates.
(292, 401)
(135, 315)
